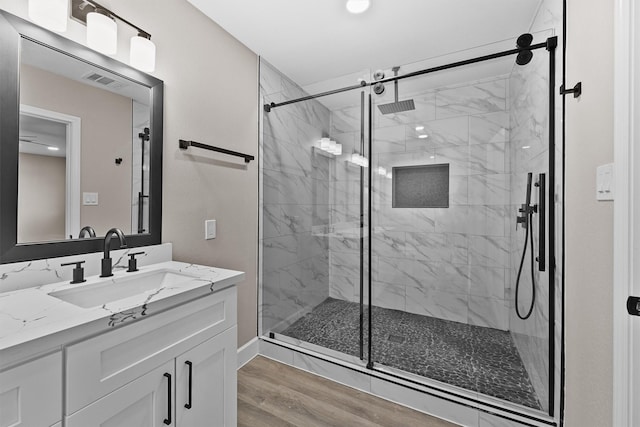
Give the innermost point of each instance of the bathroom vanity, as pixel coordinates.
(157, 345)
(152, 347)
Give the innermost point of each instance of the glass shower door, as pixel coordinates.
(311, 246)
(451, 153)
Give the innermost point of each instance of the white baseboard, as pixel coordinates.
(247, 352)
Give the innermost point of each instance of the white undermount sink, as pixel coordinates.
(105, 290)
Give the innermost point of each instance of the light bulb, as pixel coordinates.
(50, 14)
(142, 54)
(357, 6)
(102, 33)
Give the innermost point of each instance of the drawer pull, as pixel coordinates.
(190, 365)
(167, 421)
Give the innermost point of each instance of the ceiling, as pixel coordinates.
(36, 134)
(313, 41)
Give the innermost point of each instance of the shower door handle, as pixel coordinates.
(542, 217)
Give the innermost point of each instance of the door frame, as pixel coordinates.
(72, 174)
(625, 131)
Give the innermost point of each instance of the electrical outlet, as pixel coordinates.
(210, 229)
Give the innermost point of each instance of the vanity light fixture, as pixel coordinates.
(52, 148)
(358, 6)
(330, 146)
(423, 136)
(359, 160)
(102, 34)
(142, 52)
(419, 128)
(50, 14)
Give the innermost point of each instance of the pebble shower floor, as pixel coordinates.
(472, 357)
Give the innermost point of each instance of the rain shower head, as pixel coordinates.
(397, 106)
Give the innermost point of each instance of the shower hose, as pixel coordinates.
(529, 230)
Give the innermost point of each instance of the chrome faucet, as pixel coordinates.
(86, 231)
(106, 261)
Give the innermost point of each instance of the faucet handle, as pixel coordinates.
(133, 262)
(78, 271)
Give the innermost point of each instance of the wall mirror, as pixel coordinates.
(80, 146)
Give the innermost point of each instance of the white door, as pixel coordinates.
(206, 383)
(626, 339)
(144, 402)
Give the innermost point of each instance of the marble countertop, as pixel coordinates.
(33, 323)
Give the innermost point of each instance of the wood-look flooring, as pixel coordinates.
(274, 394)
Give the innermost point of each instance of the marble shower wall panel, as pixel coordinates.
(451, 263)
(296, 191)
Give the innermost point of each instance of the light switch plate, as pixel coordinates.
(605, 182)
(210, 229)
(90, 199)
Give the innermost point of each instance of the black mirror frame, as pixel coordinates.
(12, 29)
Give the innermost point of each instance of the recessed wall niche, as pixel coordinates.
(421, 186)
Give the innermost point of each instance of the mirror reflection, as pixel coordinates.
(84, 149)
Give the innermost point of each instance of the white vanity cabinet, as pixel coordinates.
(142, 402)
(138, 374)
(206, 383)
(31, 393)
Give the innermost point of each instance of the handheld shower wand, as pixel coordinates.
(525, 217)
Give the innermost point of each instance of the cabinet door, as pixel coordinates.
(213, 385)
(144, 402)
(31, 394)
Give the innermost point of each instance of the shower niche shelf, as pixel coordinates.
(420, 186)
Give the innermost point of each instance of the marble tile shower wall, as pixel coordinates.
(451, 263)
(294, 203)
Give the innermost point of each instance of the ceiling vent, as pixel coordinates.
(103, 80)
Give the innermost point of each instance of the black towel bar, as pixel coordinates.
(186, 144)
